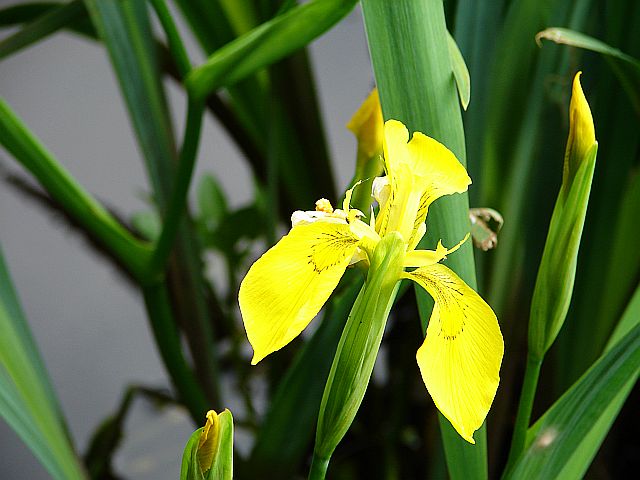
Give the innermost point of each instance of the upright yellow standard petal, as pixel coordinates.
(462, 352)
(287, 286)
(421, 171)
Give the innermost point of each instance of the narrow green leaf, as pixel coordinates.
(266, 44)
(126, 31)
(629, 78)
(27, 149)
(562, 443)
(30, 12)
(42, 27)
(565, 36)
(460, 72)
(27, 400)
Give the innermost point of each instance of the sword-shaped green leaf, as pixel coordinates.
(562, 443)
(27, 400)
(266, 44)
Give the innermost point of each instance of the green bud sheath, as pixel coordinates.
(357, 351)
(556, 275)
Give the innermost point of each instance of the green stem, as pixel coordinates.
(523, 418)
(167, 337)
(319, 467)
(173, 37)
(359, 344)
(178, 199)
(58, 182)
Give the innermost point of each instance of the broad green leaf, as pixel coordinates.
(562, 443)
(40, 28)
(27, 400)
(460, 72)
(266, 44)
(413, 32)
(621, 275)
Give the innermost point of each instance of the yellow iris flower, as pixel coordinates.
(286, 288)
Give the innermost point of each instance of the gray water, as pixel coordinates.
(88, 323)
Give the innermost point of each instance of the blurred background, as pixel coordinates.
(78, 306)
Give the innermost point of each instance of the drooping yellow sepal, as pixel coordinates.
(461, 355)
(286, 287)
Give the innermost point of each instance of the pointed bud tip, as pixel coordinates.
(582, 135)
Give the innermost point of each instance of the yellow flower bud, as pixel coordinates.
(582, 135)
(367, 125)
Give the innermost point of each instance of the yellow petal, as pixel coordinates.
(462, 352)
(287, 286)
(209, 439)
(420, 170)
(582, 134)
(366, 125)
(439, 171)
(424, 258)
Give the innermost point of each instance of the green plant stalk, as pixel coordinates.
(525, 407)
(357, 350)
(319, 467)
(179, 53)
(28, 151)
(167, 337)
(178, 198)
(424, 97)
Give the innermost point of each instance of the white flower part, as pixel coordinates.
(300, 217)
(381, 189)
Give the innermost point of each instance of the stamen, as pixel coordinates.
(324, 205)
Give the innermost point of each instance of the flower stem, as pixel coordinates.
(176, 46)
(523, 418)
(319, 467)
(178, 197)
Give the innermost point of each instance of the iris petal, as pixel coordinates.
(286, 287)
(462, 352)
